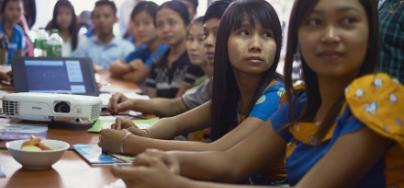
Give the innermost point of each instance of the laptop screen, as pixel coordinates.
(54, 75)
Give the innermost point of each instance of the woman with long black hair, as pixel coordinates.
(65, 21)
(246, 87)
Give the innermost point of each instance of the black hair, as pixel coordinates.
(30, 12)
(73, 27)
(198, 20)
(195, 3)
(107, 3)
(216, 9)
(226, 94)
(4, 4)
(179, 8)
(301, 10)
(148, 6)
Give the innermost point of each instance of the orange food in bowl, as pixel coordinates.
(34, 144)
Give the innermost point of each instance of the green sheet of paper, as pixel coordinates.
(105, 122)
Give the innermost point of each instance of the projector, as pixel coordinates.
(76, 109)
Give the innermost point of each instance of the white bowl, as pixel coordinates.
(37, 160)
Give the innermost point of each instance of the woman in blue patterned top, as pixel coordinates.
(342, 128)
(11, 11)
(246, 87)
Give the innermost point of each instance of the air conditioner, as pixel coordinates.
(77, 109)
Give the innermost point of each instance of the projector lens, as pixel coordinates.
(62, 107)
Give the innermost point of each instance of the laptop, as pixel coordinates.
(54, 75)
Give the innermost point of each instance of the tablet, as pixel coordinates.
(54, 75)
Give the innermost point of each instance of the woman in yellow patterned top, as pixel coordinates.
(343, 128)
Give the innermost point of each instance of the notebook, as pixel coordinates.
(93, 154)
(54, 75)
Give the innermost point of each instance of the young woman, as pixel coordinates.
(196, 53)
(136, 66)
(339, 133)
(246, 88)
(65, 21)
(169, 72)
(11, 12)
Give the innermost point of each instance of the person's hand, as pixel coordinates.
(138, 73)
(170, 161)
(119, 103)
(137, 64)
(122, 124)
(118, 68)
(97, 68)
(152, 173)
(130, 126)
(5, 76)
(111, 140)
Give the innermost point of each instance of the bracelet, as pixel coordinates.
(121, 148)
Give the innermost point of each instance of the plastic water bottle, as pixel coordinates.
(54, 44)
(40, 43)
